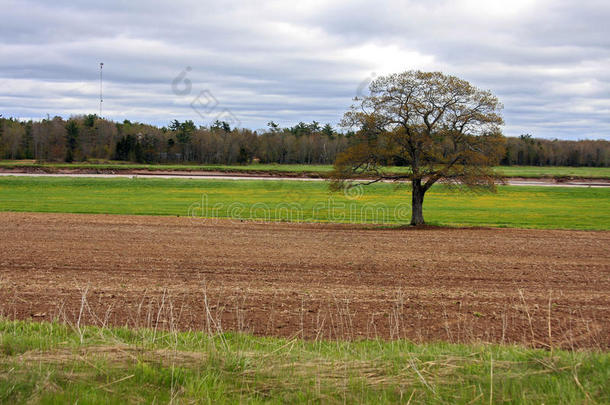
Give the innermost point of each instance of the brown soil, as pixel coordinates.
(316, 281)
(168, 172)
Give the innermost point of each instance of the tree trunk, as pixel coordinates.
(417, 202)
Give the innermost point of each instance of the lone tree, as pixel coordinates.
(441, 127)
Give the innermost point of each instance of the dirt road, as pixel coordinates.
(312, 280)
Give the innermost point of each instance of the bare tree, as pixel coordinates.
(441, 127)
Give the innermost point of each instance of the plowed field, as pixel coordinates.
(535, 287)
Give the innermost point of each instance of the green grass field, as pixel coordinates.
(55, 363)
(511, 206)
(507, 171)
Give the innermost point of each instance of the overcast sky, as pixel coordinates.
(249, 62)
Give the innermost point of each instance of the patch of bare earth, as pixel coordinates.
(317, 281)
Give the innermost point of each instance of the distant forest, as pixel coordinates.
(90, 137)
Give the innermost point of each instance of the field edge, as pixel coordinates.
(557, 173)
(108, 364)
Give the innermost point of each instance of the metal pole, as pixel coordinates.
(101, 99)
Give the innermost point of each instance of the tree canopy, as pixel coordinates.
(442, 127)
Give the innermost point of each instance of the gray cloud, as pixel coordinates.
(548, 61)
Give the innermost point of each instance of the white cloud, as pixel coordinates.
(547, 60)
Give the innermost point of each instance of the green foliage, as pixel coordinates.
(273, 127)
(89, 120)
(71, 140)
(328, 131)
(221, 125)
(184, 130)
(55, 364)
(525, 207)
(125, 147)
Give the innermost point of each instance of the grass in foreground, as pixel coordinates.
(55, 363)
(524, 207)
(506, 171)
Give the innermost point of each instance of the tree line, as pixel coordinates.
(82, 138)
(526, 150)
